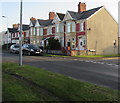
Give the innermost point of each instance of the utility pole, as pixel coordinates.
(7, 32)
(20, 38)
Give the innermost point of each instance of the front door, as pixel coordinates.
(81, 43)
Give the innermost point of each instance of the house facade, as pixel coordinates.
(13, 34)
(32, 30)
(85, 32)
(96, 32)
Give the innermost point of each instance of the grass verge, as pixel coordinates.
(83, 56)
(60, 88)
(52, 55)
(96, 56)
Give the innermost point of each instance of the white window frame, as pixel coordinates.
(73, 27)
(57, 28)
(31, 31)
(34, 31)
(82, 26)
(68, 27)
(48, 31)
(61, 26)
(27, 34)
(41, 31)
(37, 31)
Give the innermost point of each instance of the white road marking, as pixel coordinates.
(93, 62)
(87, 61)
(109, 64)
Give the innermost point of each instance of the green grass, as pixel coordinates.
(60, 86)
(52, 55)
(96, 56)
(16, 90)
(83, 56)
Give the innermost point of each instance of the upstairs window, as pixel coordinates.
(77, 27)
(13, 34)
(68, 27)
(81, 26)
(73, 26)
(49, 30)
(44, 31)
(34, 31)
(27, 34)
(61, 28)
(41, 31)
(31, 31)
(53, 30)
(57, 28)
(37, 31)
(24, 34)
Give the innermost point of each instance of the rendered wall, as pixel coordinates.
(102, 30)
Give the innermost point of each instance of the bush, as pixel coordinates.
(53, 44)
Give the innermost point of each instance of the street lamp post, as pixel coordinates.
(20, 38)
(7, 30)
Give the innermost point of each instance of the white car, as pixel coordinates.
(14, 48)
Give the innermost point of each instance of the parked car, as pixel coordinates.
(30, 49)
(14, 48)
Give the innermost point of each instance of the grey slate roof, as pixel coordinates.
(33, 22)
(84, 14)
(61, 16)
(25, 27)
(45, 22)
(12, 30)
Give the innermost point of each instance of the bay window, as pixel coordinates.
(50, 30)
(31, 31)
(61, 28)
(81, 26)
(37, 31)
(68, 27)
(34, 31)
(41, 31)
(53, 30)
(73, 27)
(57, 28)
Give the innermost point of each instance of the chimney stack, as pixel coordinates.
(81, 7)
(51, 15)
(32, 18)
(15, 26)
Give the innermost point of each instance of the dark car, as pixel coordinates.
(30, 49)
(14, 48)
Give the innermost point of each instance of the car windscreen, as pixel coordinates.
(33, 47)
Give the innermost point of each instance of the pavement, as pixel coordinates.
(88, 70)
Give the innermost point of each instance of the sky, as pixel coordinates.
(41, 8)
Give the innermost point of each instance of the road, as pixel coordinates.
(93, 71)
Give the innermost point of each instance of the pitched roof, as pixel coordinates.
(12, 30)
(84, 14)
(61, 16)
(25, 27)
(45, 22)
(33, 22)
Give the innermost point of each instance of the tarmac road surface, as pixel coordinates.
(95, 72)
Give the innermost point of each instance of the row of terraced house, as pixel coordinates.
(83, 32)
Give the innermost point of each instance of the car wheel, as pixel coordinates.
(28, 53)
(25, 53)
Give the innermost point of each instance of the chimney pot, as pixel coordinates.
(32, 18)
(81, 7)
(51, 15)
